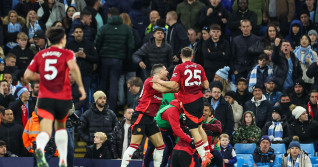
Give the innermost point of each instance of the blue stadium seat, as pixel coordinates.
(314, 165)
(314, 160)
(279, 148)
(244, 160)
(278, 159)
(244, 148)
(308, 148)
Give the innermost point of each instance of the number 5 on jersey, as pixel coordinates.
(49, 67)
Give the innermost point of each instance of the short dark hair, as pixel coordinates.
(187, 52)
(284, 95)
(55, 35)
(208, 105)
(215, 27)
(78, 26)
(20, 75)
(2, 143)
(313, 91)
(304, 12)
(85, 13)
(3, 81)
(161, 23)
(9, 55)
(33, 83)
(308, 38)
(91, 3)
(155, 68)
(2, 109)
(113, 11)
(263, 56)
(135, 81)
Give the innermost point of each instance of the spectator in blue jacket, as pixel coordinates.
(271, 93)
(227, 150)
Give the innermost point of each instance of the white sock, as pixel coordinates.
(206, 147)
(157, 156)
(41, 140)
(128, 154)
(61, 140)
(200, 148)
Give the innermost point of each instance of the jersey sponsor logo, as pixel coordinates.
(52, 53)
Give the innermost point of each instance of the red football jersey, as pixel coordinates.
(51, 64)
(150, 99)
(190, 76)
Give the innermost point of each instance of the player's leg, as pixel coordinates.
(157, 140)
(61, 141)
(134, 144)
(204, 138)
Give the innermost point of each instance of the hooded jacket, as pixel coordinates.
(263, 159)
(246, 132)
(294, 39)
(285, 125)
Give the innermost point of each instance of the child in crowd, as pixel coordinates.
(227, 150)
(100, 149)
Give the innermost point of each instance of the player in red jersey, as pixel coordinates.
(191, 78)
(55, 95)
(142, 120)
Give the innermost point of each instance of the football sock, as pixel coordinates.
(61, 140)
(128, 154)
(157, 156)
(41, 140)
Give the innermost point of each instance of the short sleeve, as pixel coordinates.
(176, 74)
(34, 65)
(70, 55)
(203, 76)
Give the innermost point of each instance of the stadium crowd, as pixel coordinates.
(259, 56)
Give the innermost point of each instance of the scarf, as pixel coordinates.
(275, 131)
(308, 54)
(253, 76)
(311, 112)
(72, 4)
(24, 114)
(289, 163)
(33, 29)
(11, 29)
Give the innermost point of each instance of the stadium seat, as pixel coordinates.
(278, 159)
(279, 148)
(314, 160)
(244, 160)
(314, 165)
(244, 148)
(308, 148)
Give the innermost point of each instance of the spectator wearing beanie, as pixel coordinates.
(237, 109)
(313, 40)
(303, 127)
(299, 94)
(99, 118)
(295, 157)
(222, 75)
(264, 154)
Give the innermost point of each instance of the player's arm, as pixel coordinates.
(173, 85)
(31, 76)
(163, 89)
(76, 74)
(205, 84)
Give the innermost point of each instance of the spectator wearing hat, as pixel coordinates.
(312, 105)
(259, 106)
(247, 131)
(237, 109)
(260, 72)
(40, 41)
(313, 40)
(271, 93)
(242, 93)
(299, 95)
(221, 109)
(302, 126)
(99, 118)
(222, 75)
(264, 154)
(277, 129)
(295, 157)
(295, 32)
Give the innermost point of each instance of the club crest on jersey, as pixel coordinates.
(138, 130)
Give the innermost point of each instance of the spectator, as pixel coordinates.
(192, 35)
(242, 62)
(241, 13)
(21, 81)
(237, 109)
(21, 107)
(222, 75)
(285, 105)
(276, 11)
(134, 85)
(8, 77)
(99, 118)
(264, 155)
(302, 126)
(114, 42)
(228, 151)
(311, 8)
(1, 68)
(153, 17)
(11, 133)
(271, 93)
(22, 51)
(163, 7)
(77, 4)
(295, 156)
(313, 40)
(286, 67)
(260, 72)
(78, 104)
(312, 72)
(189, 12)
(308, 25)
(98, 16)
(277, 129)
(84, 21)
(3, 150)
(139, 16)
(312, 108)
(40, 41)
(5, 96)
(32, 25)
(242, 93)
(259, 106)
(12, 25)
(67, 20)
(50, 12)
(299, 95)
(247, 132)
(202, 48)
(100, 149)
(23, 7)
(35, 85)
(295, 32)
(222, 110)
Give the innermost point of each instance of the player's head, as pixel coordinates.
(160, 70)
(56, 36)
(186, 53)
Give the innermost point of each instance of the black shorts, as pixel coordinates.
(193, 113)
(54, 109)
(181, 158)
(143, 124)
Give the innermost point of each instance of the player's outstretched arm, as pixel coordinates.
(163, 89)
(205, 84)
(172, 85)
(76, 74)
(31, 76)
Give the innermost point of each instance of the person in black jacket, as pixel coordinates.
(95, 8)
(154, 52)
(99, 118)
(299, 94)
(264, 155)
(100, 149)
(283, 58)
(313, 72)
(312, 107)
(5, 96)
(242, 93)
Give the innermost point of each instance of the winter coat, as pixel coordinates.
(263, 112)
(117, 141)
(139, 19)
(299, 101)
(273, 97)
(294, 39)
(242, 99)
(25, 29)
(218, 13)
(177, 37)
(49, 16)
(313, 72)
(89, 32)
(235, 18)
(237, 114)
(304, 160)
(129, 65)
(283, 9)
(190, 14)
(314, 108)
(261, 76)
(257, 6)
(94, 120)
(306, 131)
(285, 125)
(6, 100)
(85, 64)
(280, 69)
(246, 132)
(15, 106)
(163, 7)
(262, 159)
(227, 153)
(104, 152)
(94, 13)
(114, 39)
(79, 4)
(24, 57)
(224, 114)
(78, 104)
(150, 54)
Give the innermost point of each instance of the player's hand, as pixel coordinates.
(82, 92)
(192, 144)
(155, 79)
(142, 65)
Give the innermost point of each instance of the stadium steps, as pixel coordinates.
(80, 149)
